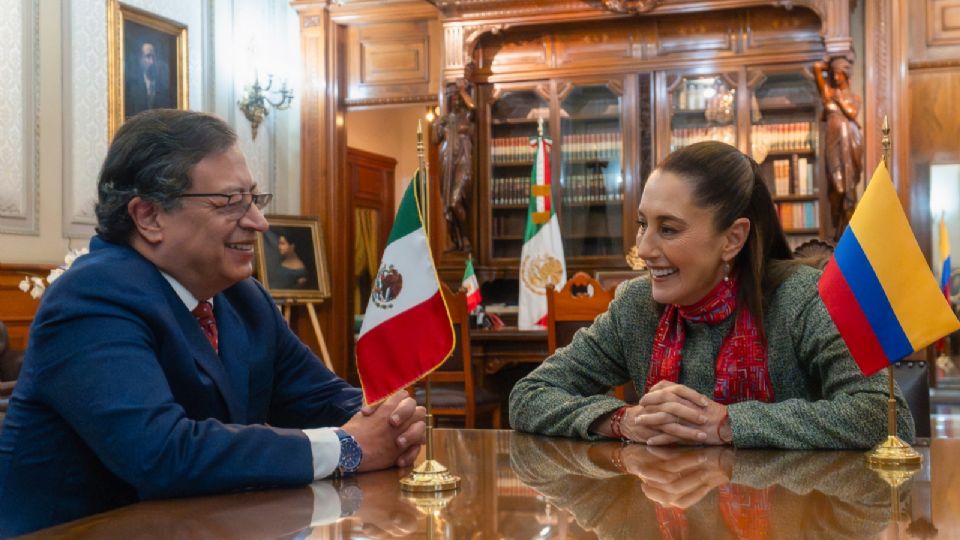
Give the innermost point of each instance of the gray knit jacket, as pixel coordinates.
(821, 399)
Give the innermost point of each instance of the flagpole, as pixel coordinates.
(894, 452)
(430, 477)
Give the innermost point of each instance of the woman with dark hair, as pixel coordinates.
(290, 272)
(726, 338)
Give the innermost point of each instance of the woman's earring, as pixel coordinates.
(726, 271)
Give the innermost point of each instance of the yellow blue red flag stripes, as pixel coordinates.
(878, 287)
(406, 331)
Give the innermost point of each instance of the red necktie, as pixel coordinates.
(204, 314)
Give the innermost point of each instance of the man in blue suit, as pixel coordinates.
(133, 388)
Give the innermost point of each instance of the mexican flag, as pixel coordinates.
(406, 331)
(472, 287)
(541, 259)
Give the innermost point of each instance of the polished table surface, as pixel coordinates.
(516, 485)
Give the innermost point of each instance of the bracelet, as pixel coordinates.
(615, 423)
(726, 417)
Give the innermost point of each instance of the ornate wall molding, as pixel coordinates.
(20, 132)
(471, 20)
(426, 99)
(630, 6)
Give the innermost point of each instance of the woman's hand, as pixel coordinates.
(630, 428)
(678, 477)
(683, 414)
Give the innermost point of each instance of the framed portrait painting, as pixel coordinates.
(147, 63)
(290, 259)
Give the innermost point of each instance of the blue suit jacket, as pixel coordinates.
(121, 398)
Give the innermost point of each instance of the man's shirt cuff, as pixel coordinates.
(325, 448)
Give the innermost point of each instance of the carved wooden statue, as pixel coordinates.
(843, 142)
(454, 133)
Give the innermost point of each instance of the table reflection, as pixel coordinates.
(635, 491)
(515, 485)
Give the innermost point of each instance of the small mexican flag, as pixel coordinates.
(541, 259)
(406, 331)
(472, 287)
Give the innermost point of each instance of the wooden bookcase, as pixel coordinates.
(619, 89)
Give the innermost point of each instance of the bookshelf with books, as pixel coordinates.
(513, 130)
(591, 179)
(784, 139)
(620, 94)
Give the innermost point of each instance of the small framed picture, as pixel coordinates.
(146, 64)
(290, 259)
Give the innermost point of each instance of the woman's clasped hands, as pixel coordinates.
(674, 414)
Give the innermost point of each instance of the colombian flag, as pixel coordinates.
(878, 287)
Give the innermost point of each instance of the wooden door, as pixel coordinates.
(370, 177)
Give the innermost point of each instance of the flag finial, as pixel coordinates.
(540, 126)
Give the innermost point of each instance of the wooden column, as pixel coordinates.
(323, 147)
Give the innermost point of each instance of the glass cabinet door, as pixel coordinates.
(703, 108)
(591, 179)
(783, 139)
(513, 116)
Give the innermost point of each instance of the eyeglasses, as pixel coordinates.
(235, 204)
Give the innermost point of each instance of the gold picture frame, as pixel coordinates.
(146, 63)
(290, 258)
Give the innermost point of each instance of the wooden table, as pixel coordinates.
(522, 486)
(494, 349)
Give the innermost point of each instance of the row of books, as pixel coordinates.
(589, 188)
(680, 137)
(799, 215)
(585, 146)
(577, 188)
(787, 136)
(798, 181)
(581, 146)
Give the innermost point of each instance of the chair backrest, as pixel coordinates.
(914, 382)
(459, 367)
(574, 306)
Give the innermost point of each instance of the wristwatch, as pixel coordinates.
(350, 453)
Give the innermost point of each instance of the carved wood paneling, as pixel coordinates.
(391, 60)
(943, 22)
(678, 35)
(576, 47)
(17, 308)
(665, 42)
(515, 52)
(479, 19)
(772, 29)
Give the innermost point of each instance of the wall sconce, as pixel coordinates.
(254, 101)
(432, 113)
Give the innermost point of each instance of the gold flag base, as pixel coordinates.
(894, 453)
(428, 477)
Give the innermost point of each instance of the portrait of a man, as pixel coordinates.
(147, 61)
(149, 68)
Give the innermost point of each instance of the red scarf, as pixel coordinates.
(741, 368)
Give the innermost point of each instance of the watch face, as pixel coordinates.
(350, 453)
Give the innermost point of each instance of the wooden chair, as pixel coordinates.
(573, 307)
(453, 387)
